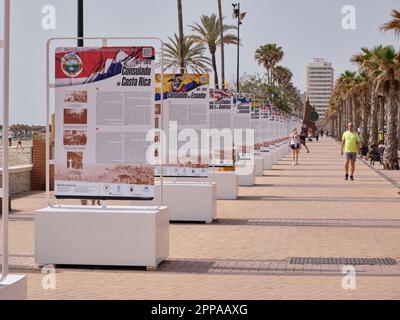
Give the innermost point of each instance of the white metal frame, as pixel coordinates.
(50, 85)
(5, 44)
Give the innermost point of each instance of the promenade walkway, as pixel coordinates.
(249, 252)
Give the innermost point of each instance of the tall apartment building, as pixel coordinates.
(320, 85)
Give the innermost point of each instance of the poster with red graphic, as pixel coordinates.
(221, 124)
(104, 108)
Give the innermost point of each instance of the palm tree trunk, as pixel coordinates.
(181, 37)
(356, 114)
(390, 158)
(351, 113)
(221, 23)
(398, 120)
(214, 64)
(364, 118)
(268, 76)
(339, 132)
(373, 138)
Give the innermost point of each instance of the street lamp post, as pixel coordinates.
(240, 16)
(80, 23)
(5, 186)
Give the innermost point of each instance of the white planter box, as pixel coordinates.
(267, 161)
(14, 287)
(90, 235)
(227, 183)
(247, 179)
(258, 166)
(274, 156)
(187, 201)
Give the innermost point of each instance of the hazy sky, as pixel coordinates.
(304, 28)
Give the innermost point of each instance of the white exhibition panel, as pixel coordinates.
(267, 161)
(258, 166)
(280, 152)
(227, 183)
(187, 201)
(274, 152)
(247, 179)
(14, 287)
(91, 235)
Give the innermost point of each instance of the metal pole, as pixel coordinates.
(47, 124)
(237, 62)
(382, 103)
(6, 73)
(80, 23)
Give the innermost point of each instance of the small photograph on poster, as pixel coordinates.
(75, 116)
(157, 137)
(158, 108)
(74, 160)
(75, 96)
(75, 137)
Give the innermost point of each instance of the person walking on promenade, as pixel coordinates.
(351, 146)
(322, 132)
(316, 134)
(19, 142)
(303, 137)
(294, 144)
(10, 136)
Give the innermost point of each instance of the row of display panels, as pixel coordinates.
(116, 121)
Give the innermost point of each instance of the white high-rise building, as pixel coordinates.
(320, 85)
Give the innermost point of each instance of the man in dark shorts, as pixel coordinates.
(351, 146)
(303, 137)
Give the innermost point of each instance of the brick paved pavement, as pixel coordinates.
(303, 211)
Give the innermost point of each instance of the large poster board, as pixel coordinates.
(265, 127)
(185, 109)
(256, 125)
(221, 121)
(104, 109)
(242, 120)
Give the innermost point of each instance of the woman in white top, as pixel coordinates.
(294, 144)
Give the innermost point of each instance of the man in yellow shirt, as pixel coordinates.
(351, 145)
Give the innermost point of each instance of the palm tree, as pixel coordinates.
(269, 55)
(221, 22)
(366, 61)
(193, 56)
(181, 36)
(394, 24)
(282, 76)
(208, 32)
(388, 79)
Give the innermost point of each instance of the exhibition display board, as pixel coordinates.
(242, 120)
(221, 125)
(104, 107)
(256, 125)
(265, 127)
(184, 113)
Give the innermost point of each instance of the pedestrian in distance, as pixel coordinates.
(19, 142)
(351, 147)
(303, 137)
(294, 144)
(10, 136)
(316, 134)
